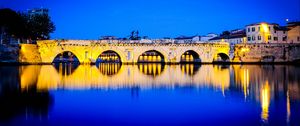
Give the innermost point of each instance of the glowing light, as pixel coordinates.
(245, 49)
(265, 28)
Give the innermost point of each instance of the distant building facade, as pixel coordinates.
(266, 33)
(208, 37)
(234, 37)
(187, 39)
(294, 32)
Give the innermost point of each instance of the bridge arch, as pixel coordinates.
(109, 56)
(96, 53)
(65, 56)
(221, 57)
(151, 56)
(190, 56)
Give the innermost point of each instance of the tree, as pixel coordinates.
(25, 26)
(11, 24)
(39, 26)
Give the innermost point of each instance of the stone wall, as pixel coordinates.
(264, 52)
(29, 53)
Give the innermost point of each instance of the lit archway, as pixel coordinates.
(190, 56)
(109, 57)
(221, 57)
(151, 56)
(66, 57)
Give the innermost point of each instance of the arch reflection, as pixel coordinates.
(65, 68)
(190, 69)
(152, 69)
(109, 68)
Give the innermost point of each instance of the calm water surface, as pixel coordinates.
(150, 94)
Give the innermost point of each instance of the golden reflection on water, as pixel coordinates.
(257, 82)
(68, 76)
(265, 101)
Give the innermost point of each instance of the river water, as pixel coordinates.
(150, 94)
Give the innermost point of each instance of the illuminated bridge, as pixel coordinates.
(89, 51)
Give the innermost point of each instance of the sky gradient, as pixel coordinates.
(90, 19)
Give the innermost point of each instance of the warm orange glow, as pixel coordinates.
(104, 76)
(265, 28)
(265, 31)
(265, 101)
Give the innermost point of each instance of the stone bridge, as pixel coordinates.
(87, 51)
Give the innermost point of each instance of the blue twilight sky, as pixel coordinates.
(90, 19)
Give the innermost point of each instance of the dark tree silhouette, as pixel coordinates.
(25, 26)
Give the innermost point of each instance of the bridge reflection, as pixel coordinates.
(29, 85)
(153, 69)
(104, 76)
(16, 102)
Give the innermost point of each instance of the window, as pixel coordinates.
(259, 37)
(253, 29)
(253, 38)
(269, 37)
(249, 38)
(248, 29)
(275, 38)
(275, 31)
(298, 38)
(283, 32)
(258, 28)
(284, 38)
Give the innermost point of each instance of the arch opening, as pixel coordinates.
(268, 58)
(109, 57)
(190, 56)
(151, 56)
(221, 57)
(66, 57)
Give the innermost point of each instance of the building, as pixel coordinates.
(266, 33)
(294, 32)
(108, 38)
(187, 39)
(208, 37)
(232, 37)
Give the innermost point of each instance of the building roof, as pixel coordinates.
(184, 37)
(261, 23)
(281, 28)
(239, 33)
(293, 24)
